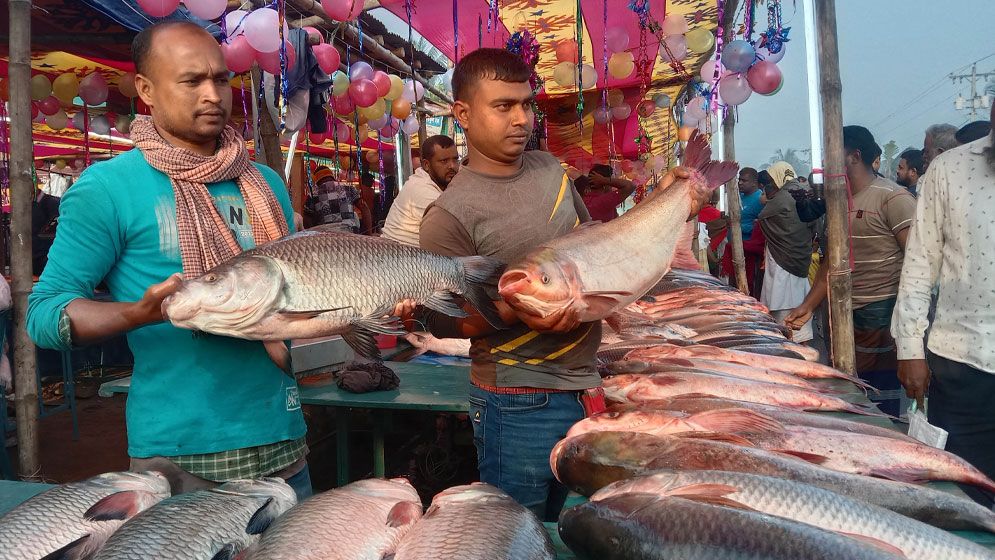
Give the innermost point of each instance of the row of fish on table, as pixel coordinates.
(716, 445)
(119, 516)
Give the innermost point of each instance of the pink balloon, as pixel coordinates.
(764, 77)
(343, 10)
(765, 54)
(363, 93)
(377, 124)
(382, 81)
(410, 125)
(235, 23)
(50, 105)
(601, 115)
(313, 32)
(360, 71)
(617, 39)
(159, 8)
(695, 109)
(328, 57)
(678, 46)
(342, 132)
(707, 73)
(343, 104)
(239, 54)
(391, 128)
(206, 9)
(734, 89)
(93, 89)
(622, 111)
(262, 29)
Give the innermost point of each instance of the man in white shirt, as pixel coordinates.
(439, 164)
(950, 248)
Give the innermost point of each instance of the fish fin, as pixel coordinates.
(379, 324)
(615, 322)
(714, 494)
(363, 343)
(603, 302)
(479, 274)
(809, 457)
(260, 520)
(678, 362)
(404, 513)
(69, 551)
(712, 436)
(278, 352)
(911, 475)
(116, 507)
(443, 302)
(227, 552)
(309, 313)
(876, 543)
(736, 421)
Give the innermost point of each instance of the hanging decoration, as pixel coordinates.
(525, 45)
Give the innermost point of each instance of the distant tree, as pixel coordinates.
(888, 164)
(800, 160)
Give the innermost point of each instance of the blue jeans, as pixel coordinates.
(301, 483)
(513, 435)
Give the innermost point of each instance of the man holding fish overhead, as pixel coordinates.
(202, 409)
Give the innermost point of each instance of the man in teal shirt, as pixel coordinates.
(202, 409)
(749, 193)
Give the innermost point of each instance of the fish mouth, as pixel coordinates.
(513, 282)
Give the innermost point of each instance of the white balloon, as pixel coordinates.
(410, 125)
(765, 54)
(588, 76)
(235, 22)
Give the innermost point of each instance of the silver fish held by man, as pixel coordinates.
(599, 269)
(74, 520)
(315, 284)
(653, 527)
(806, 504)
(216, 523)
(364, 520)
(476, 522)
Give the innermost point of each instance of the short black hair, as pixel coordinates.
(366, 178)
(765, 179)
(602, 169)
(973, 131)
(440, 141)
(582, 183)
(913, 158)
(141, 45)
(858, 138)
(750, 171)
(487, 64)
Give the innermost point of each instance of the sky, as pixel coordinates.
(895, 56)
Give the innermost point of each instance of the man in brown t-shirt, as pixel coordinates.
(880, 217)
(529, 380)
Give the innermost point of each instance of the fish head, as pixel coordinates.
(276, 488)
(543, 284)
(398, 489)
(228, 298)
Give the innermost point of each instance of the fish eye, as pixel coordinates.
(545, 279)
(211, 278)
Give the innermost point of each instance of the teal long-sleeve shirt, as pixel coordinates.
(189, 394)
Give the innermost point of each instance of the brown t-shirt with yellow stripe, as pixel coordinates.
(505, 218)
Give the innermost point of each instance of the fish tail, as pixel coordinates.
(479, 274)
(698, 156)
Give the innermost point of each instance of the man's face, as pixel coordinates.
(747, 183)
(187, 87)
(442, 166)
(906, 175)
(497, 119)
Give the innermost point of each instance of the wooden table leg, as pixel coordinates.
(342, 446)
(380, 419)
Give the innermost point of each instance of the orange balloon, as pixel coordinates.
(400, 108)
(345, 163)
(684, 133)
(566, 51)
(363, 119)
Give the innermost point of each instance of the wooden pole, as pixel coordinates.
(837, 210)
(269, 137)
(22, 192)
(732, 187)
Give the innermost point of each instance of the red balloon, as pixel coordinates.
(50, 105)
(343, 10)
(566, 51)
(270, 62)
(315, 138)
(764, 77)
(239, 54)
(382, 81)
(328, 57)
(343, 105)
(34, 110)
(313, 32)
(363, 93)
(645, 108)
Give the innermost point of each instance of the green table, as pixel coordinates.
(428, 388)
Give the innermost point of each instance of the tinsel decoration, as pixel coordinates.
(480, 32)
(4, 156)
(281, 94)
(525, 45)
(579, 19)
(776, 34)
(493, 15)
(456, 30)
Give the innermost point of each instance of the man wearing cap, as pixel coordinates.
(335, 204)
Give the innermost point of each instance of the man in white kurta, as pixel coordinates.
(439, 164)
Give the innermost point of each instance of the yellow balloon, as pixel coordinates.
(396, 88)
(375, 111)
(615, 98)
(621, 65)
(565, 74)
(40, 87)
(340, 83)
(700, 40)
(65, 87)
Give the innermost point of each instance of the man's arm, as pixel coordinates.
(801, 314)
(920, 272)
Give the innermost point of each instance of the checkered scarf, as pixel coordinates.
(205, 239)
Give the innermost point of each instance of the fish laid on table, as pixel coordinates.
(75, 519)
(314, 284)
(731, 421)
(653, 527)
(806, 504)
(801, 368)
(476, 522)
(657, 386)
(206, 524)
(364, 520)
(589, 462)
(693, 404)
(600, 269)
(740, 371)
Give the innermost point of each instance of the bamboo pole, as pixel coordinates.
(837, 217)
(22, 193)
(733, 202)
